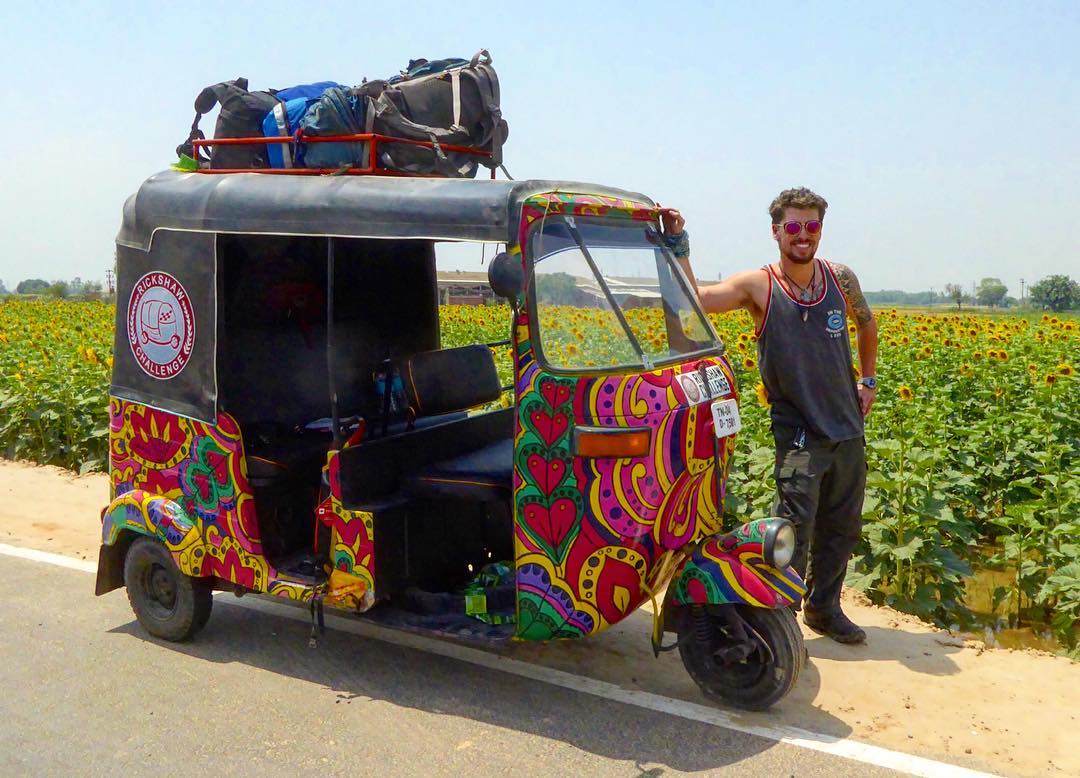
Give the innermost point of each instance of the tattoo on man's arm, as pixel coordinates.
(849, 285)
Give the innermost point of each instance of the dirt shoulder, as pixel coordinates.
(911, 688)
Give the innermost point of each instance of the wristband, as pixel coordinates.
(679, 244)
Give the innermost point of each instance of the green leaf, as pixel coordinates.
(909, 549)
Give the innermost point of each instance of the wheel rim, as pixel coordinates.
(160, 585)
(743, 674)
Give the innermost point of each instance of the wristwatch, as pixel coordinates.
(869, 382)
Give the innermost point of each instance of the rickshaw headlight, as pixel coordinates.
(780, 543)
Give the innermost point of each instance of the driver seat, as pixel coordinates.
(449, 381)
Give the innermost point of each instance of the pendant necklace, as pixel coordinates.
(806, 293)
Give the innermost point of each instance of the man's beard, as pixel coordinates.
(799, 260)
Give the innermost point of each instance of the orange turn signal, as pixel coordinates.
(618, 442)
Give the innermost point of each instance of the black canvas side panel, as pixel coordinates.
(166, 325)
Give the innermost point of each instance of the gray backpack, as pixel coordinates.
(446, 102)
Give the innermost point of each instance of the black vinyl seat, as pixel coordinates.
(483, 475)
(272, 458)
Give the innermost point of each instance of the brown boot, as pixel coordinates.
(833, 624)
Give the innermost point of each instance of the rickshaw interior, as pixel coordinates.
(435, 473)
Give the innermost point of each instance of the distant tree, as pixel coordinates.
(91, 288)
(58, 289)
(3, 289)
(31, 286)
(1056, 293)
(990, 292)
(557, 289)
(956, 292)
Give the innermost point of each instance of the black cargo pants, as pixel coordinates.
(819, 488)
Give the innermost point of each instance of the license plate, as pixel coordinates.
(725, 415)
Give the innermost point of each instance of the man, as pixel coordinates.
(799, 305)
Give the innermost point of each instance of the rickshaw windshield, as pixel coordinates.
(607, 294)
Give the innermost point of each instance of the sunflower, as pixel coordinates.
(1003, 355)
(977, 355)
(1050, 379)
(762, 395)
(1065, 369)
(905, 393)
(999, 391)
(966, 370)
(749, 363)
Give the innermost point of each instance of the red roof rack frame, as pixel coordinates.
(371, 169)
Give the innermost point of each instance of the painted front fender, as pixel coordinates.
(158, 517)
(730, 568)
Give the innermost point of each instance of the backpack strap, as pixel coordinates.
(455, 87)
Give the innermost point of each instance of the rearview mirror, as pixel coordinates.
(505, 276)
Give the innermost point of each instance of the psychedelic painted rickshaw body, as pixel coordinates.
(263, 443)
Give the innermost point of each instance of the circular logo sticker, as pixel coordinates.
(160, 325)
(693, 394)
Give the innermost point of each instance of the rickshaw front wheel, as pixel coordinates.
(747, 657)
(167, 603)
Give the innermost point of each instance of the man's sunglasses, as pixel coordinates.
(813, 227)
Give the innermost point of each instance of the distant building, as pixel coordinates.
(463, 287)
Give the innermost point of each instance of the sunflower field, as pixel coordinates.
(973, 443)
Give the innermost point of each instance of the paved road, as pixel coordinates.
(86, 691)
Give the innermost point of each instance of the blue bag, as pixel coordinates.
(284, 119)
(337, 112)
(310, 91)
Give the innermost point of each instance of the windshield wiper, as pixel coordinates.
(646, 361)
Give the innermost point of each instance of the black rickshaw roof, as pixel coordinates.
(343, 206)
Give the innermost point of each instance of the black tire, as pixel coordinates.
(167, 603)
(757, 682)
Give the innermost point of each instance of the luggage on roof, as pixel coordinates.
(437, 117)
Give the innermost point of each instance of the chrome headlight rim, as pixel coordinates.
(782, 530)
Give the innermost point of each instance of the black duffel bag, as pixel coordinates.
(241, 116)
(446, 102)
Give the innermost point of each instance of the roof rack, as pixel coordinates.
(373, 168)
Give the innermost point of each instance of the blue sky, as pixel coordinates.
(946, 138)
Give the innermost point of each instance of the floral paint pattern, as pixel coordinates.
(595, 537)
(185, 482)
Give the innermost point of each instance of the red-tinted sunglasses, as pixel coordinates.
(813, 227)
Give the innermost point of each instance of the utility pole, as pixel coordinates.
(931, 295)
(1021, 291)
(109, 281)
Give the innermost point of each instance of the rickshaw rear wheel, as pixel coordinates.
(167, 603)
(758, 680)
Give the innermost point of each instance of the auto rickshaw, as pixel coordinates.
(284, 421)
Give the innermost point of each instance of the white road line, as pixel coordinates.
(793, 736)
(48, 557)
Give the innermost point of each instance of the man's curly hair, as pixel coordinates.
(796, 198)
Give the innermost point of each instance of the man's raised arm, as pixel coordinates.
(728, 295)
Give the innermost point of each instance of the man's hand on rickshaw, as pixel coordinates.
(672, 221)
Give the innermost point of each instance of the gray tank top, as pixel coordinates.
(806, 364)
